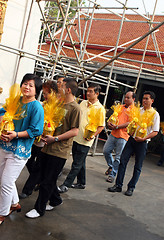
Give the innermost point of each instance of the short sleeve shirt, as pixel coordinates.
(123, 118)
(71, 120)
(84, 121)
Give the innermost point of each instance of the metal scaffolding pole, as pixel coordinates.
(61, 35)
(111, 70)
(115, 52)
(143, 56)
(17, 64)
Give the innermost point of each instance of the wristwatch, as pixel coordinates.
(56, 139)
(116, 127)
(16, 135)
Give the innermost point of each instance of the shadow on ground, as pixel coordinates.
(75, 219)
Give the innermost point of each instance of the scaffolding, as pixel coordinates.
(61, 32)
(67, 28)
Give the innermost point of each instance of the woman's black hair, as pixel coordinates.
(37, 80)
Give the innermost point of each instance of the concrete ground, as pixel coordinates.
(95, 213)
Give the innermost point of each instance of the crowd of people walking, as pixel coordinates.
(46, 158)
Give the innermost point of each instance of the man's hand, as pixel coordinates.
(48, 139)
(111, 126)
(89, 139)
(139, 139)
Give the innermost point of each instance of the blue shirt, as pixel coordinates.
(32, 123)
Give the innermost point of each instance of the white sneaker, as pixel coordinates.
(32, 214)
(49, 207)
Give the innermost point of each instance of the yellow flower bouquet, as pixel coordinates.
(114, 117)
(142, 130)
(54, 112)
(13, 107)
(134, 116)
(131, 128)
(93, 122)
(146, 120)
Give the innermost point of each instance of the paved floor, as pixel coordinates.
(94, 213)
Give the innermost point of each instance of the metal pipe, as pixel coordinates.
(119, 20)
(99, 7)
(87, 36)
(61, 10)
(111, 70)
(61, 36)
(45, 21)
(21, 43)
(137, 61)
(118, 38)
(84, 31)
(143, 57)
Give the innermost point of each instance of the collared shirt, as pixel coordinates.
(85, 106)
(71, 120)
(156, 122)
(32, 123)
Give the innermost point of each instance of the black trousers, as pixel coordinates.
(51, 166)
(78, 169)
(34, 168)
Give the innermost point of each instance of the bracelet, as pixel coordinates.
(17, 135)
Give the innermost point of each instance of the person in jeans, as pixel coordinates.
(118, 137)
(56, 151)
(138, 146)
(81, 146)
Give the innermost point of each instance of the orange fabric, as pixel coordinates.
(122, 132)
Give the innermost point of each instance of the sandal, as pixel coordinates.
(16, 208)
(108, 171)
(2, 218)
(110, 179)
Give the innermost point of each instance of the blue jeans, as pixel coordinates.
(139, 148)
(117, 144)
(79, 154)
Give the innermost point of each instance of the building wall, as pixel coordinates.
(17, 13)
